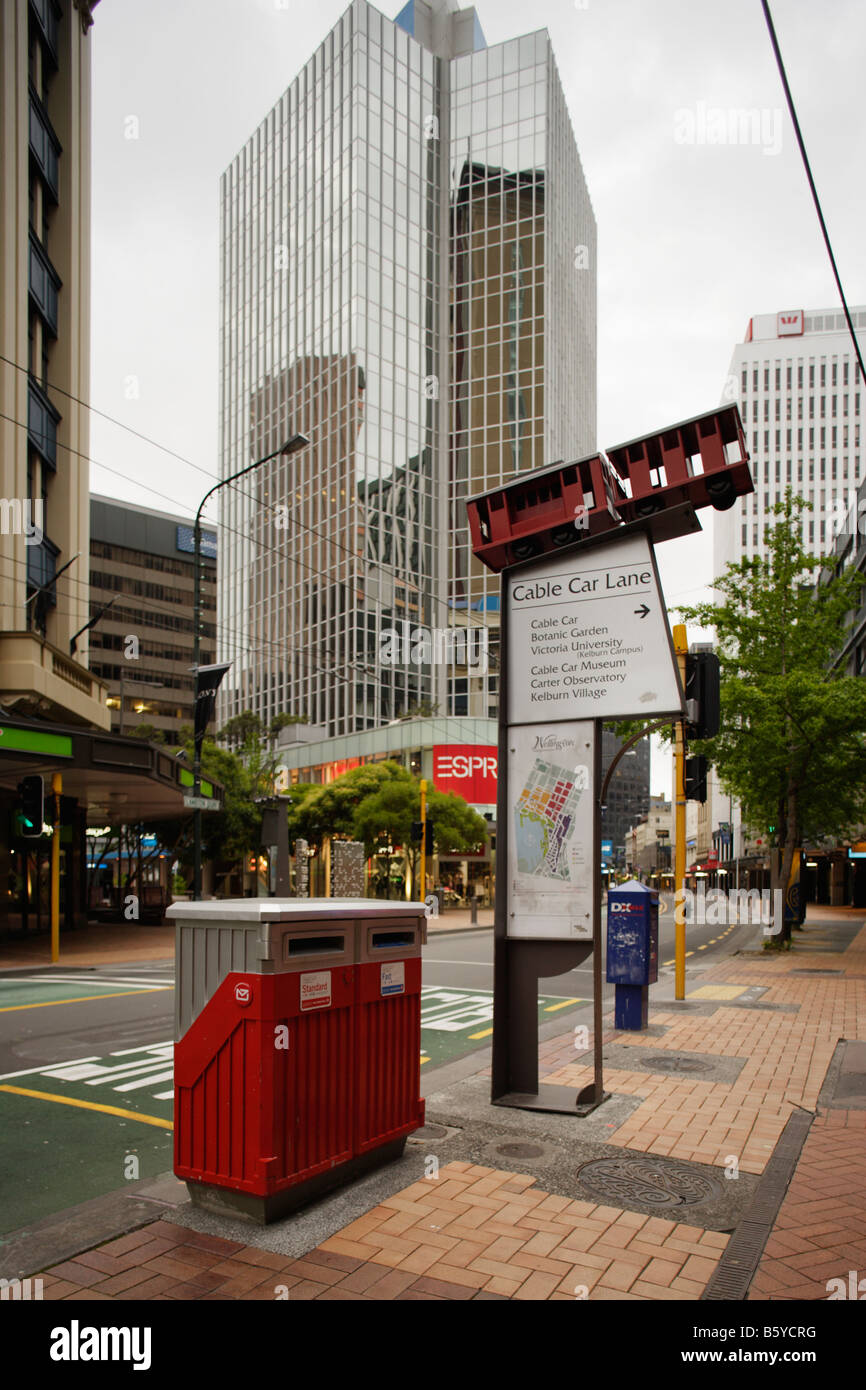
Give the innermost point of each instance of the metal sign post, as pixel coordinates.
(584, 638)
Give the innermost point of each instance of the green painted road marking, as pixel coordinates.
(454, 1021)
(89, 1105)
(33, 993)
(136, 1076)
(55, 1156)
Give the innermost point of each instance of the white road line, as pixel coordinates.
(31, 1071)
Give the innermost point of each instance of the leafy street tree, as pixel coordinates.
(792, 742)
(390, 812)
(321, 812)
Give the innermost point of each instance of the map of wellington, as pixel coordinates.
(544, 820)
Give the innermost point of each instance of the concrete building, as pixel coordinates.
(798, 386)
(797, 383)
(141, 562)
(45, 375)
(628, 796)
(648, 843)
(408, 279)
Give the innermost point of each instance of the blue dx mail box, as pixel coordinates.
(632, 950)
(632, 934)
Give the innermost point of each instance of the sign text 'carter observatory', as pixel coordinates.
(588, 636)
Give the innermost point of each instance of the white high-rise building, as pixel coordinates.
(797, 383)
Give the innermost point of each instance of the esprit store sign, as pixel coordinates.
(469, 769)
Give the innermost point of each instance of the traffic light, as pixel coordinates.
(703, 697)
(32, 807)
(423, 830)
(696, 779)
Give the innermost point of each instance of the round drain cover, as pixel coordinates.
(659, 1062)
(428, 1132)
(519, 1150)
(654, 1182)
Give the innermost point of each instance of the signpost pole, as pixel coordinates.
(681, 647)
(597, 985)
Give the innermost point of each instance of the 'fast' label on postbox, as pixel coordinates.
(393, 979)
(316, 990)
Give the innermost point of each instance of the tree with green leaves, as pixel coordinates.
(792, 741)
(390, 813)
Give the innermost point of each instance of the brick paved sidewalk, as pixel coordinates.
(472, 1233)
(477, 1232)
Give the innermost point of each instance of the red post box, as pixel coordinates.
(298, 1046)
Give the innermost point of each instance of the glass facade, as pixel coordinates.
(408, 279)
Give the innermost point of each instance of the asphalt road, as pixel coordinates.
(85, 1059)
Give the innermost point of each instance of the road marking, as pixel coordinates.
(84, 999)
(90, 1105)
(552, 1008)
(717, 992)
(31, 1071)
(484, 1034)
(669, 962)
(78, 980)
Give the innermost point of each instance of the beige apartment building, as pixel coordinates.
(44, 371)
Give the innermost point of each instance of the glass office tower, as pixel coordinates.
(408, 279)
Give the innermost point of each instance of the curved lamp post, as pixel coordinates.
(297, 441)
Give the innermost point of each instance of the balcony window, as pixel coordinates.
(41, 569)
(47, 17)
(42, 422)
(45, 148)
(45, 285)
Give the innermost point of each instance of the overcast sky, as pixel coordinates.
(693, 238)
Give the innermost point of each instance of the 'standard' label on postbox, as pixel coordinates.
(588, 637)
(393, 980)
(316, 990)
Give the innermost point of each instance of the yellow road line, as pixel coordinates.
(90, 1105)
(424, 1059)
(669, 962)
(486, 1034)
(83, 999)
(552, 1008)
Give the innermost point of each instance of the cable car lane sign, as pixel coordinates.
(589, 637)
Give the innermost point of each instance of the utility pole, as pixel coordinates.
(56, 789)
(681, 647)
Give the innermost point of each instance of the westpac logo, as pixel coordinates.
(20, 516)
(790, 324)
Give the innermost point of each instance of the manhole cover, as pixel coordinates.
(654, 1182)
(519, 1150)
(428, 1132)
(659, 1062)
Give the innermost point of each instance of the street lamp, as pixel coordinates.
(297, 441)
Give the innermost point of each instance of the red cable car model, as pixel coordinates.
(663, 478)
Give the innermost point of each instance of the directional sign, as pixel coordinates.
(201, 803)
(588, 637)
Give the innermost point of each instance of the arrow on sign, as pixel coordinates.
(642, 611)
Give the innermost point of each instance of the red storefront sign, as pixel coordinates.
(469, 769)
